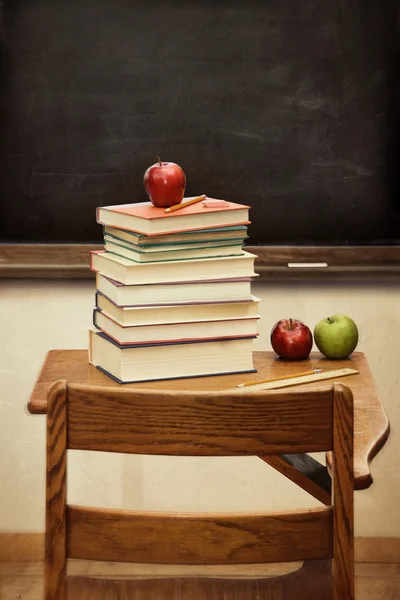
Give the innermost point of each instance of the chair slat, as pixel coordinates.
(165, 538)
(199, 423)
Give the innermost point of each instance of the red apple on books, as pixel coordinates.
(291, 339)
(165, 183)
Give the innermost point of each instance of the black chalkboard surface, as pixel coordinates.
(290, 106)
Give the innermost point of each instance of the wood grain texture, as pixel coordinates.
(122, 570)
(311, 582)
(306, 472)
(60, 261)
(371, 425)
(165, 538)
(377, 550)
(343, 496)
(56, 493)
(89, 580)
(337, 257)
(115, 535)
(24, 548)
(198, 423)
(96, 569)
(21, 547)
(55, 261)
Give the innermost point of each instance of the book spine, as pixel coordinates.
(90, 347)
(92, 253)
(99, 293)
(96, 310)
(108, 318)
(91, 262)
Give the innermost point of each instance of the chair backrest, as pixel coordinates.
(199, 424)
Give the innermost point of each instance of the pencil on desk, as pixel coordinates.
(183, 204)
(292, 376)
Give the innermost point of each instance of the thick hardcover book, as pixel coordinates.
(202, 269)
(154, 362)
(190, 292)
(178, 312)
(175, 332)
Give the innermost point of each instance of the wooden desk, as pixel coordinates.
(371, 425)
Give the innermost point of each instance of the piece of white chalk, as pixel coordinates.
(304, 265)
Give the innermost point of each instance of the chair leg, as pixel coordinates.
(343, 494)
(56, 494)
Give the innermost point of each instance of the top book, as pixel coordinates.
(145, 218)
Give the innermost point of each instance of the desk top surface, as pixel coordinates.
(371, 426)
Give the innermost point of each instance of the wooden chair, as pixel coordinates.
(199, 424)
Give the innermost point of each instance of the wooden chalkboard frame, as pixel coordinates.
(346, 263)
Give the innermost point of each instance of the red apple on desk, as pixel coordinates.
(291, 339)
(165, 183)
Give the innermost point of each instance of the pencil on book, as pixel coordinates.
(292, 376)
(187, 203)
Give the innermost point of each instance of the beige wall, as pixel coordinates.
(36, 316)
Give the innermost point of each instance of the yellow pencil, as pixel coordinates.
(183, 204)
(303, 374)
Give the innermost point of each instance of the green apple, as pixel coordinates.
(336, 336)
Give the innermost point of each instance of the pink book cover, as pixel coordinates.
(147, 211)
(91, 260)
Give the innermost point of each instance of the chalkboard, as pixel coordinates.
(290, 106)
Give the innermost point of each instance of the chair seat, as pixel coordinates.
(311, 582)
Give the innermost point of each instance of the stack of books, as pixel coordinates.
(173, 295)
